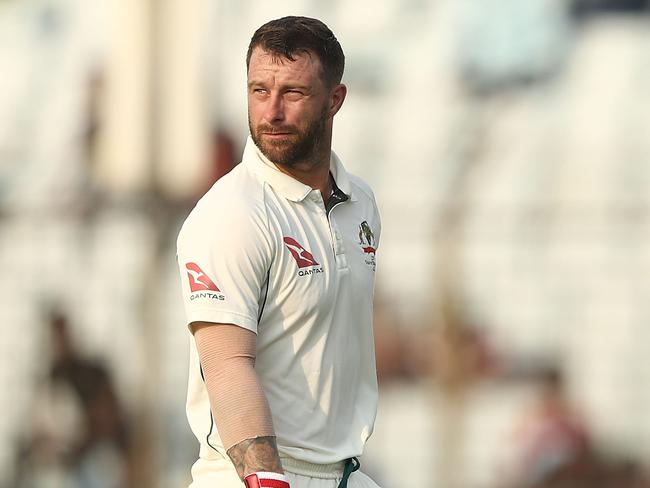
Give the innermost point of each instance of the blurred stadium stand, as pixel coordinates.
(508, 145)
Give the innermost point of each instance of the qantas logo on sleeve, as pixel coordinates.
(201, 286)
(303, 257)
(199, 281)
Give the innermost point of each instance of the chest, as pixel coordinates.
(322, 255)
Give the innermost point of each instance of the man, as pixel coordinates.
(277, 266)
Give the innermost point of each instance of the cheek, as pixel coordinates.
(300, 113)
(252, 108)
(255, 104)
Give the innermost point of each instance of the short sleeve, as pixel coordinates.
(224, 255)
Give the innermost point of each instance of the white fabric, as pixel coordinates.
(270, 475)
(221, 473)
(315, 350)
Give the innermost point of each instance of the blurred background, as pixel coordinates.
(508, 143)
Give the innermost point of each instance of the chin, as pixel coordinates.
(276, 154)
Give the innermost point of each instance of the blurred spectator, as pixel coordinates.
(78, 435)
(411, 352)
(626, 474)
(223, 158)
(390, 352)
(553, 445)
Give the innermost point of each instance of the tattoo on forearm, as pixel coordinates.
(258, 454)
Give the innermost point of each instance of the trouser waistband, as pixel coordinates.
(304, 468)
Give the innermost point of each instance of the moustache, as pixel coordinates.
(276, 130)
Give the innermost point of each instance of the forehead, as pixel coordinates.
(305, 68)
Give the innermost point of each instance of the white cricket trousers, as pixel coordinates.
(221, 473)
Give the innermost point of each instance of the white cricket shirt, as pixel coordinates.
(260, 250)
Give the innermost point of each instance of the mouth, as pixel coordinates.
(276, 135)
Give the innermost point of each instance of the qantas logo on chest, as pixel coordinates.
(303, 258)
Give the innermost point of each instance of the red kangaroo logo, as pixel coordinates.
(302, 256)
(199, 281)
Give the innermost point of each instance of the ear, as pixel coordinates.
(337, 96)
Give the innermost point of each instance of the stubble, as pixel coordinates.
(300, 148)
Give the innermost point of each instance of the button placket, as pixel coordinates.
(335, 235)
(339, 249)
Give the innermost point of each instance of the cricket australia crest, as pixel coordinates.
(367, 243)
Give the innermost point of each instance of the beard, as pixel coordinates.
(298, 147)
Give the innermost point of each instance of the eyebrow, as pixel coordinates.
(299, 86)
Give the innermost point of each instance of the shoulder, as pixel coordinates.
(361, 188)
(364, 194)
(234, 204)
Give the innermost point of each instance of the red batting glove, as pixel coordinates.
(263, 479)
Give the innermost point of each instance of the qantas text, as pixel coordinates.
(305, 272)
(207, 294)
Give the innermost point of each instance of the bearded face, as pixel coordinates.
(289, 108)
(288, 145)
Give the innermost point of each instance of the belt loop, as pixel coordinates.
(351, 465)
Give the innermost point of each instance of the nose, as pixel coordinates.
(274, 108)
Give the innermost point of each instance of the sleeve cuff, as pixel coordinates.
(222, 317)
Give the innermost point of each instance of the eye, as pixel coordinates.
(294, 93)
(259, 91)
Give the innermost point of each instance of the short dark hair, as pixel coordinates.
(290, 35)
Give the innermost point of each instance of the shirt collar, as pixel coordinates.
(284, 184)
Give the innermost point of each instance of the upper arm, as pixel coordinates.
(224, 254)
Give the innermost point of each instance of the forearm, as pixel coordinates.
(243, 419)
(258, 454)
(237, 399)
